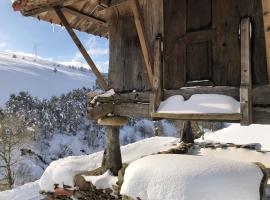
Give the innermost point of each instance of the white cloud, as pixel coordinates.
(3, 44)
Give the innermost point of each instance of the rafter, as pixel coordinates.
(84, 16)
(103, 83)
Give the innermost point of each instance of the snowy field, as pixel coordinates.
(38, 77)
(226, 166)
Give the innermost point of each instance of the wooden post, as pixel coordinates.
(266, 20)
(187, 133)
(143, 41)
(103, 83)
(246, 82)
(156, 96)
(112, 159)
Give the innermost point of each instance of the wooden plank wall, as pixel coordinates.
(127, 71)
(226, 16)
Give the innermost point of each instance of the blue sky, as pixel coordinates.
(19, 34)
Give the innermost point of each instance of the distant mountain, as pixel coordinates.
(41, 78)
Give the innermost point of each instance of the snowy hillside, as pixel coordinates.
(22, 73)
(231, 177)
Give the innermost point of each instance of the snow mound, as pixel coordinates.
(238, 134)
(104, 181)
(28, 191)
(173, 177)
(62, 171)
(200, 103)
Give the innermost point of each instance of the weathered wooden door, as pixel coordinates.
(201, 42)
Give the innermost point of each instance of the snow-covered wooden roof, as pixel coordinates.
(83, 15)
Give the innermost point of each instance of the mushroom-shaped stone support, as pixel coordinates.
(112, 158)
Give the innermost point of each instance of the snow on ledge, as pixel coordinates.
(184, 177)
(200, 103)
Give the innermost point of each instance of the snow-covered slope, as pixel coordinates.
(63, 170)
(22, 73)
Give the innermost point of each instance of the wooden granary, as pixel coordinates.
(161, 48)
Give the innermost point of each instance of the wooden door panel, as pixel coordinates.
(199, 14)
(199, 61)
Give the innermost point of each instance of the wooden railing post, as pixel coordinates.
(246, 82)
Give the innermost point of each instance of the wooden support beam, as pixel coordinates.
(156, 96)
(134, 110)
(143, 40)
(266, 20)
(234, 117)
(103, 83)
(246, 82)
(188, 92)
(84, 16)
(99, 111)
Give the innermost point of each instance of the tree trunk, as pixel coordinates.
(112, 159)
(187, 134)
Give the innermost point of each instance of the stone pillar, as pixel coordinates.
(112, 159)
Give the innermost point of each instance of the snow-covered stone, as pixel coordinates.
(174, 177)
(104, 181)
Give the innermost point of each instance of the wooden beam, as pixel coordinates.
(48, 6)
(188, 92)
(94, 113)
(235, 117)
(156, 96)
(103, 83)
(266, 20)
(84, 16)
(246, 83)
(143, 40)
(132, 110)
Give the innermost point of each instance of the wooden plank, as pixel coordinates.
(261, 115)
(156, 96)
(197, 36)
(188, 92)
(99, 111)
(234, 117)
(246, 83)
(103, 83)
(143, 41)
(266, 20)
(261, 96)
(175, 23)
(132, 110)
(84, 16)
(133, 97)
